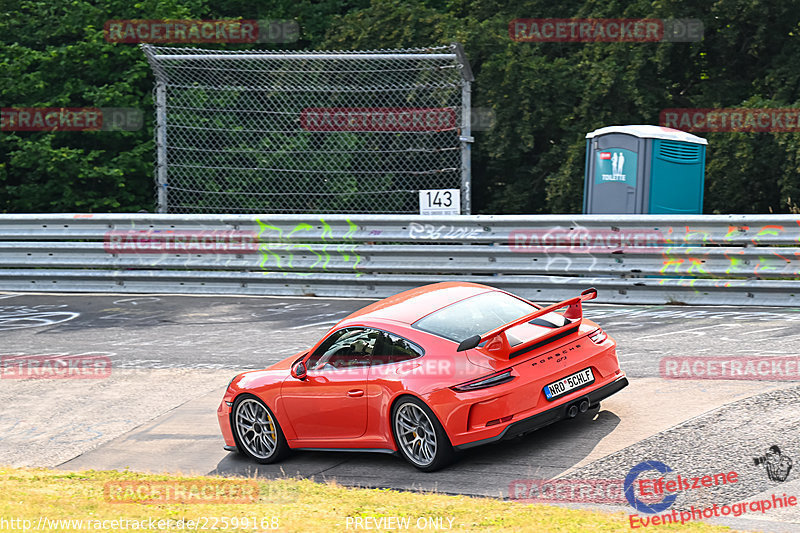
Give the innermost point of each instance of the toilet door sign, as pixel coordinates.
(616, 165)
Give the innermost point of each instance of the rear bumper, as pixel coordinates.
(549, 416)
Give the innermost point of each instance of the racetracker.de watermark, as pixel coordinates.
(587, 30)
(71, 119)
(387, 367)
(182, 492)
(578, 240)
(180, 242)
(748, 368)
(604, 491)
(398, 119)
(201, 523)
(756, 120)
(79, 366)
(201, 31)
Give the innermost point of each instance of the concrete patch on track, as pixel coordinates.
(48, 421)
(184, 440)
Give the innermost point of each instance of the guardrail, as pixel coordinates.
(703, 259)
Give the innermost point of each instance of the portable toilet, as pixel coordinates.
(644, 169)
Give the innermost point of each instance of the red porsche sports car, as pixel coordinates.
(425, 373)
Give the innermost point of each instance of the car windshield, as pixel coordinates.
(474, 316)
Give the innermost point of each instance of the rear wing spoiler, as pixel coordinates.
(497, 341)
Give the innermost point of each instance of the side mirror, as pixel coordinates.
(299, 371)
(589, 294)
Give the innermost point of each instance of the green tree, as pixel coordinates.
(546, 96)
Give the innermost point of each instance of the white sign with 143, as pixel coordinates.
(440, 202)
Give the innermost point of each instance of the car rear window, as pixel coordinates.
(474, 316)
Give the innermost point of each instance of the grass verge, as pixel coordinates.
(43, 497)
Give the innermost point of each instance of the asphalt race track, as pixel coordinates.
(173, 355)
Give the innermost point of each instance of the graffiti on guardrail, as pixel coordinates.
(437, 232)
(686, 253)
(681, 258)
(285, 249)
(273, 243)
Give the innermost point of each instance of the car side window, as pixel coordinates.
(395, 349)
(346, 348)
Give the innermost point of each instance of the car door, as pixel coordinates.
(331, 403)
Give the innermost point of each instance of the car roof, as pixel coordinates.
(411, 305)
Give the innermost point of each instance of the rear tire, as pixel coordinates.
(256, 430)
(420, 437)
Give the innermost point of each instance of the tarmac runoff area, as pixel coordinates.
(172, 356)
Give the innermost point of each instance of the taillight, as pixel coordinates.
(598, 336)
(484, 383)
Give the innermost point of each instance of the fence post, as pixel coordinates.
(465, 137)
(161, 147)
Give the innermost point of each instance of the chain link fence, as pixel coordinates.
(309, 132)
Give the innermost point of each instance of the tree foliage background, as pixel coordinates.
(545, 96)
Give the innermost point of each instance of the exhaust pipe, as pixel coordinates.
(580, 406)
(584, 405)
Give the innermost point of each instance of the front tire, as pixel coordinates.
(419, 435)
(256, 430)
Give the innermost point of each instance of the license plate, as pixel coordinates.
(568, 384)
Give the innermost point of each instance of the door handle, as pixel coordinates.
(355, 393)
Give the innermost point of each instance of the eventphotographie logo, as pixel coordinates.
(777, 464)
